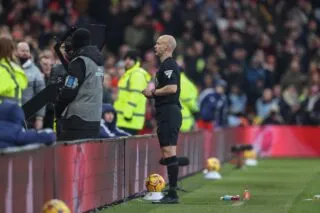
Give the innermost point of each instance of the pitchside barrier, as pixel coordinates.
(87, 174)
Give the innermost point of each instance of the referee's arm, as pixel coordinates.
(166, 90)
(171, 85)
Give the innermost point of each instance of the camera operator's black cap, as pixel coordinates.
(80, 38)
(132, 54)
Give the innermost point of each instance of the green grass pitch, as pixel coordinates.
(276, 186)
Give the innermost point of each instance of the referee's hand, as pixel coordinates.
(147, 93)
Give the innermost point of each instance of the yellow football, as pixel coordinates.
(213, 164)
(155, 183)
(250, 154)
(55, 206)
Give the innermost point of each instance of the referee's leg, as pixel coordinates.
(170, 157)
(168, 137)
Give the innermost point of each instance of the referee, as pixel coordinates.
(168, 111)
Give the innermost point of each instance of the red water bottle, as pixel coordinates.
(230, 197)
(236, 197)
(246, 195)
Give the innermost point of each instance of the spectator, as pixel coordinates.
(46, 64)
(255, 78)
(110, 67)
(264, 104)
(207, 100)
(276, 93)
(108, 125)
(12, 78)
(270, 67)
(213, 105)
(107, 89)
(217, 39)
(237, 100)
(137, 35)
(234, 75)
(190, 59)
(150, 64)
(274, 117)
(48, 54)
(35, 82)
(237, 107)
(290, 106)
(312, 107)
(12, 132)
(294, 77)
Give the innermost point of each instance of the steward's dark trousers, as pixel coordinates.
(74, 128)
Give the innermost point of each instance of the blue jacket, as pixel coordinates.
(110, 130)
(263, 108)
(12, 132)
(254, 74)
(213, 107)
(237, 103)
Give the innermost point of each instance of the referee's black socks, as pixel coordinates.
(173, 170)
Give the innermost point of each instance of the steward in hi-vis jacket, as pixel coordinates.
(131, 103)
(188, 100)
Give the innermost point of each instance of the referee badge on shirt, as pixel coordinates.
(168, 73)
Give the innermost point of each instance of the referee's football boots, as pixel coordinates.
(170, 198)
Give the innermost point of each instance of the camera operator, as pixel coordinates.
(79, 105)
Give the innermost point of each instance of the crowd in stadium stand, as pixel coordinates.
(266, 51)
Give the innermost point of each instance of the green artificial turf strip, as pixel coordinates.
(276, 186)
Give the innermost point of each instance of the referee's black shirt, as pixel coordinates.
(168, 74)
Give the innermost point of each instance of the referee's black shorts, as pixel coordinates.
(169, 121)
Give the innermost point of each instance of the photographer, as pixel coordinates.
(79, 105)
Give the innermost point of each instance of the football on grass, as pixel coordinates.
(155, 183)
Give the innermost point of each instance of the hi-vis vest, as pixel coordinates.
(87, 105)
(12, 81)
(131, 103)
(188, 100)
